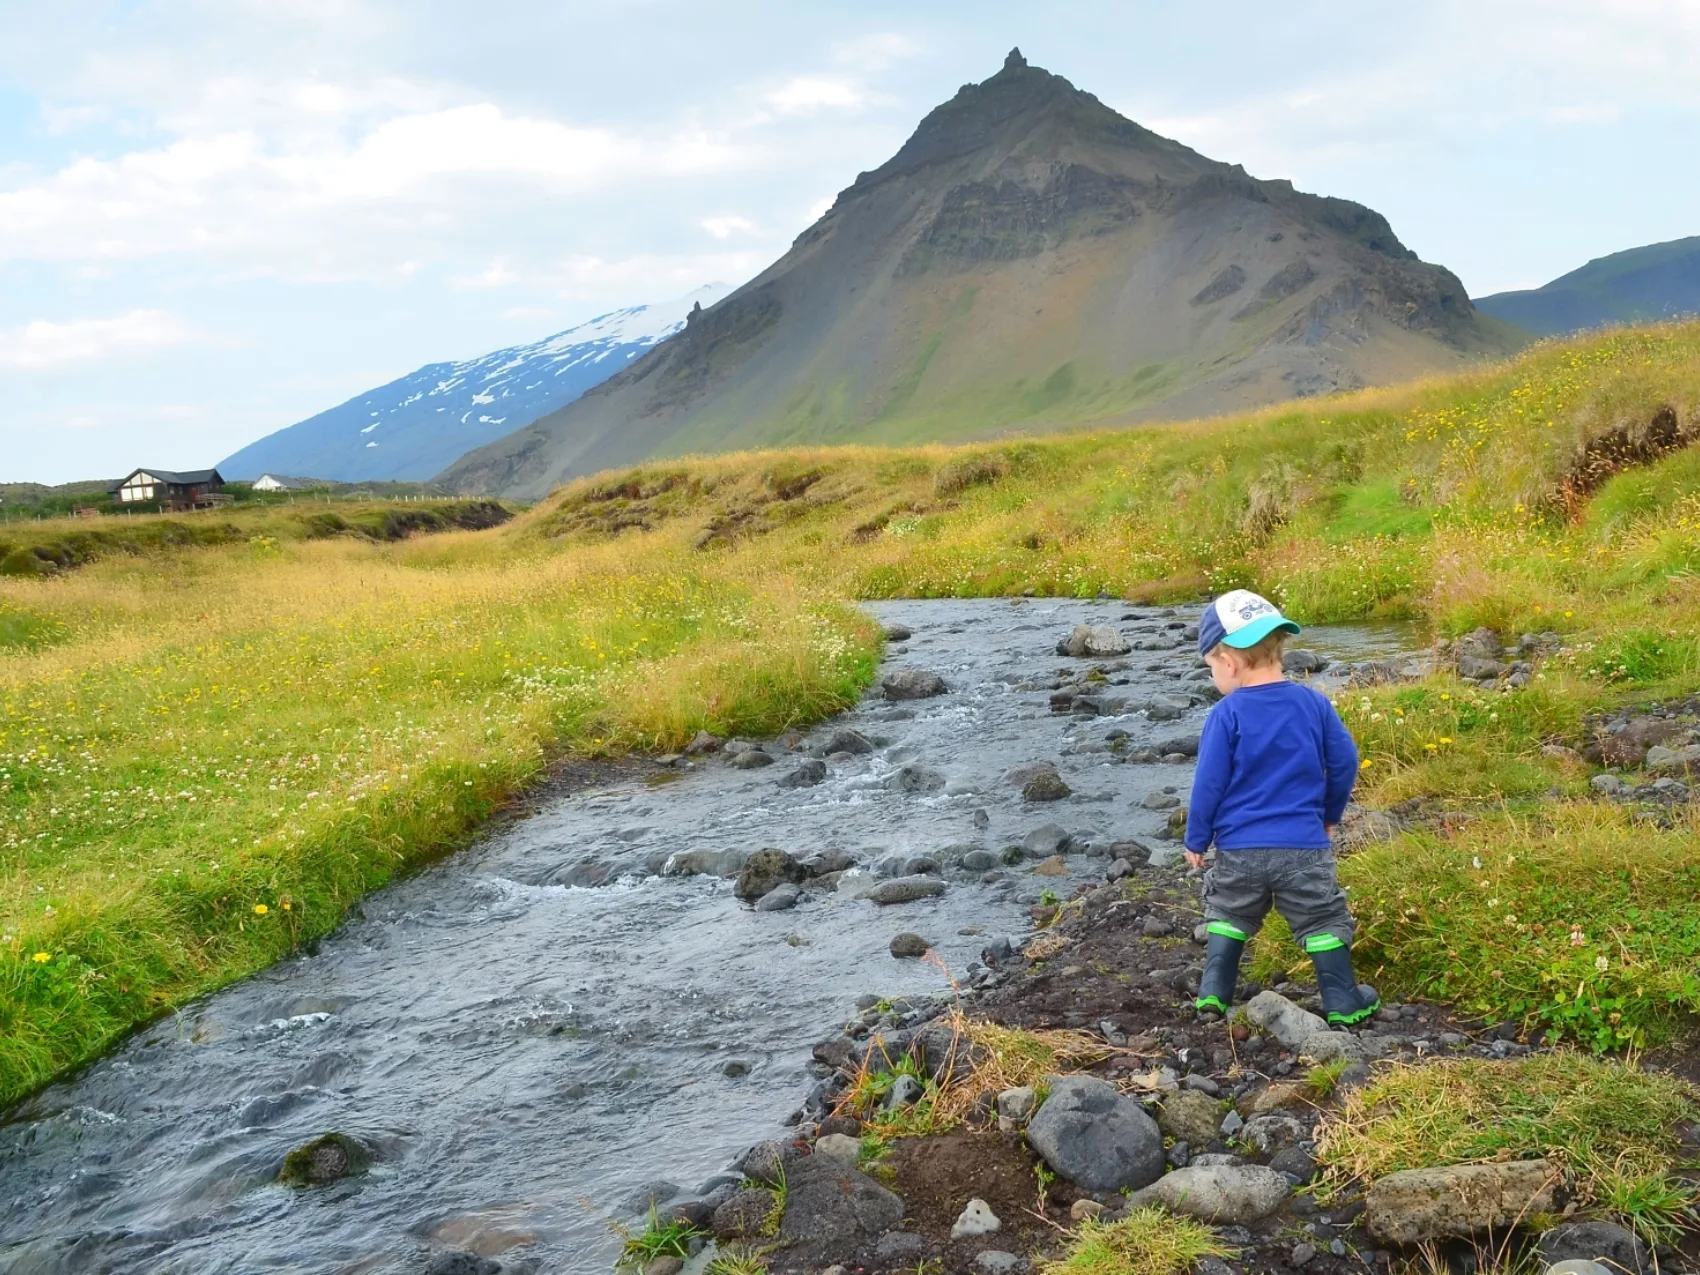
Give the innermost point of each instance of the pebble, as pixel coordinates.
(1303, 1253)
(996, 1262)
(781, 898)
(976, 1219)
(1083, 1209)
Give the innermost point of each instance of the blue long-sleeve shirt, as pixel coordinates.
(1275, 767)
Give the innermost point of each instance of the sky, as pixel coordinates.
(218, 217)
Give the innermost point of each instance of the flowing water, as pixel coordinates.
(522, 1052)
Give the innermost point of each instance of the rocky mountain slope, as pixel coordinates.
(1640, 285)
(412, 427)
(1028, 259)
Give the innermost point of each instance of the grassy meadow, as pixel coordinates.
(207, 752)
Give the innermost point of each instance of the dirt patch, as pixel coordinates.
(1625, 447)
(938, 1175)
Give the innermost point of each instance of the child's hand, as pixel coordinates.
(1194, 860)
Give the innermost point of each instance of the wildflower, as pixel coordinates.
(1577, 938)
(1446, 739)
(260, 909)
(41, 958)
(1600, 963)
(284, 905)
(1365, 764)
(1445, 695)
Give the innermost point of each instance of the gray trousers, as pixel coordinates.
(1300, 884)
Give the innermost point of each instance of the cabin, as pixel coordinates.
(275, 482)
(178, 492)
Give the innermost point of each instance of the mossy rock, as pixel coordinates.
(329, 1158)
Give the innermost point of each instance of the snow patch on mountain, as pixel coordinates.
(429, 418)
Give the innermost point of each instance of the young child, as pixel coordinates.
(1275, 767)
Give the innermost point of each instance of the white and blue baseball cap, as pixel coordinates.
(1240, 618)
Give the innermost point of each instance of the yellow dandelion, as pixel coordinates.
(1446, 739)
(260, 909)
(41, 958)
(1365, 764)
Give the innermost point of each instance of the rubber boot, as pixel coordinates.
(1221, 969)
(1345, 1001)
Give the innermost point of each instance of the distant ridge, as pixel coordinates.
(1639, 285)
(412, 427)
(1028, 260)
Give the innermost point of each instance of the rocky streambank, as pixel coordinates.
(1210, 1120)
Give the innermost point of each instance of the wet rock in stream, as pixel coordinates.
(913, 683)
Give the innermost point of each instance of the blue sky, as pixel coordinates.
(220, 216)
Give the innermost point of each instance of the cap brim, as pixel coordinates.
(1253, 633)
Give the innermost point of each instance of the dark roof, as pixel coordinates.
(172, 477)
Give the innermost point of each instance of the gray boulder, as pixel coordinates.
(1301, 661)
(843, 740)
(763, 871)
(1096, 1137)
(1610, 1245)
(1167, 708)
(753, 759)
(1462, 1199)
(704, 743)
(905, 890)
(914, 779)
(1093, 640)
(1225, 1195)
(1046, 840)
(913, 683)
(744, 1216)
(830, 1209)
(806, 775)
(1191, 1117)
(1270, 1133)
(839, 1147)
(1474, 669)
(1326, 1046)
(1282, 1019)
(711, 863)
(782, 898)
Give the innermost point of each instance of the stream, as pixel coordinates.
(524, 1051)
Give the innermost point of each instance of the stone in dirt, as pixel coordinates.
(839, 1147)
(905, 890)
(1326, 1046)
(1275, 1097)
(1612, 1246)
(1047, 785)
(1191, 1117)
(764, 870)
(1017, 1103)
(806, 775)
(943, 1053)
(1282, 1019)
(1462, 1199)
(977, 1219)
(1272, 1132)
(908, 946)
(703, 743)
(899, 1246)
(995, 1261)
(1226, 1195)
(906, 1091)
(1095, 1137)
(830, 1209)
(744, 1216)
(1117, 870)
(913, 683)
(1295, 1161)
(1093, 640)
(782, 898)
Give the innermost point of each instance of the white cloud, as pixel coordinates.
(806, 94)
(727, 226)
(43, 345)
(236, 195)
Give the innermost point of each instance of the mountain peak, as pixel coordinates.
(1015, 62)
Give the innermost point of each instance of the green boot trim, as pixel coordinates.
(1355, 1017)
(1226, 931)
(1212, 1004)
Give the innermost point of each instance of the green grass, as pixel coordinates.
(657, 1239)
(1147, 1241)
(1613, 1126)
(191, 732)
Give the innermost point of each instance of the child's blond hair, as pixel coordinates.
(1263, 653)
